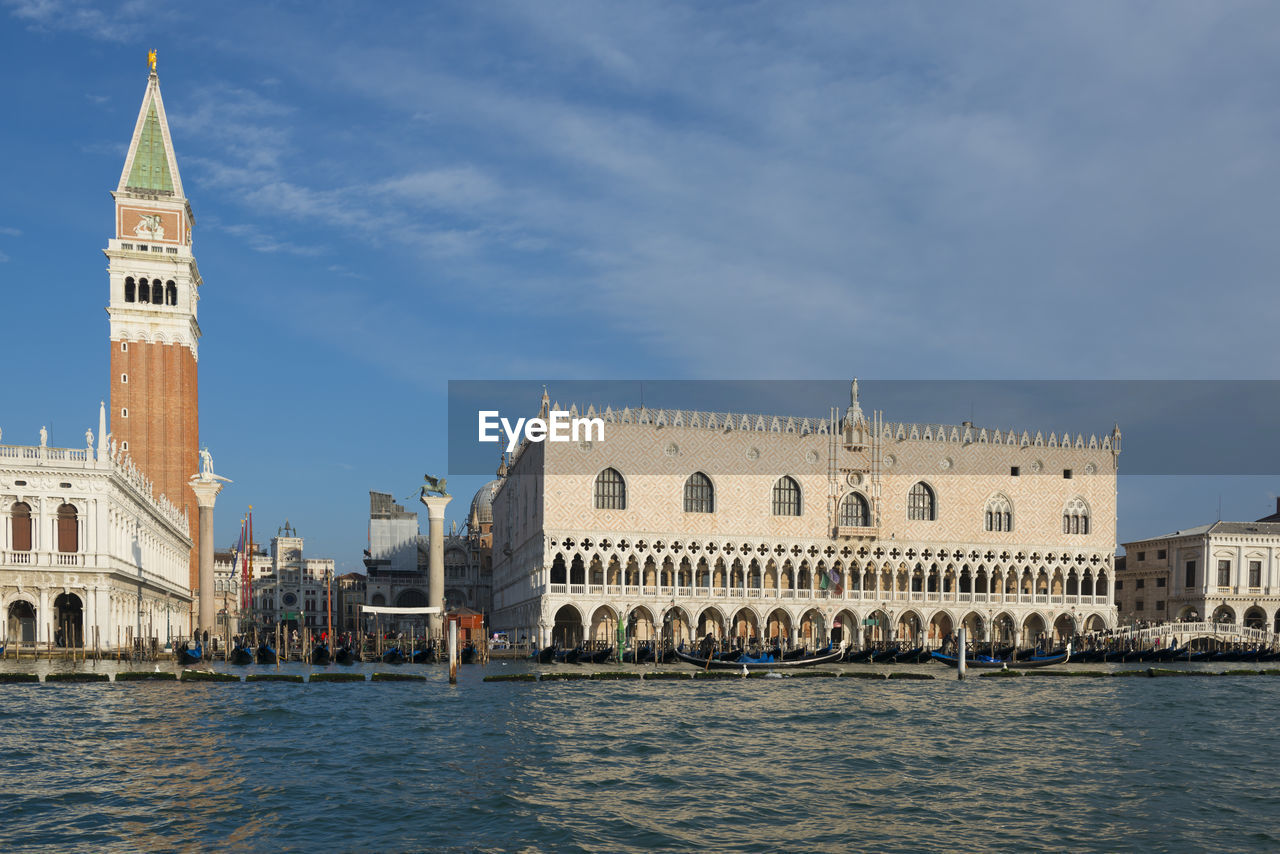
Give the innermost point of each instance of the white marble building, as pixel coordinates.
(88, 551)
(1223, 572)
(860, 530)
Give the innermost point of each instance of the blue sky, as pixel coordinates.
(388, 197)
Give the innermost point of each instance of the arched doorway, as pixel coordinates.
(640, 625)
(975, 627)
(1033, 631)
(940, 629)
(1002, 629)
(455, 599)
(877, 630)
(1255, 618)
(777, 626)
(710, 622)
(813, 629)
(1094, 623)
(1224, 614)
(1064, 629)
(68, 620)
(567, 630)
(411, 599)
(604, 626)
(675, 627)
(745, 627)
(844, 629)
(909, 629)
(22, 622)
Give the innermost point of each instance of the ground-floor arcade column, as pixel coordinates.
(44, 618)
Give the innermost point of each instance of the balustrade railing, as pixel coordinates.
(42, 558)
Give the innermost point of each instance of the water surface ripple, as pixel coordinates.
(739, 765)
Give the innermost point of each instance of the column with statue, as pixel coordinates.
(206, 485)
(435, 497)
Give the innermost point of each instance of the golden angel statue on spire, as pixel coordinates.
(151, 60)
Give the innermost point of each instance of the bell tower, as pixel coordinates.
(155, 404)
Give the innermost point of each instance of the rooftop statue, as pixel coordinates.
(433, 486)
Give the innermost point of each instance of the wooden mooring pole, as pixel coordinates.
(960, 657)
(453, 652)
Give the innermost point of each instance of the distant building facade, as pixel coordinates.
(849, 529)
(350, 592)
(296, 592)
(228, 583)
(397, 558)
(88, 549)
(1223, 572)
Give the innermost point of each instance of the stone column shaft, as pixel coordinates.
(435, 557)
(206, 490)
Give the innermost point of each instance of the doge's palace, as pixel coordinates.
(851, 529)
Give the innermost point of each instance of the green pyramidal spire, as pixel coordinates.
(150, 169)
(151, 163)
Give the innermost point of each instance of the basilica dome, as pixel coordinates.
(482, 505)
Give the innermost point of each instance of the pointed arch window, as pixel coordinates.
(922, 504)
(998, 514)
(130, 290)
(699, 494)
(611, 490)
(20, 522)
(786, 497)
(1075, 517)
(854, 511)
(68, 529)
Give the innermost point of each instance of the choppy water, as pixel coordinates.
(737, 765)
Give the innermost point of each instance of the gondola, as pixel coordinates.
(320, 654)
(265, 654)
(600, 656)
(884, 656)
(240, 655)
(1025, 654)
(986, 662)
(642, 655)
(860, 656)
(569, 656)
(344, 655)
(426, 655)
(919, 655)
(190, 655)
(467, 655)
(746, 661)
(544, 656)
(393, 656)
